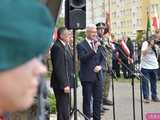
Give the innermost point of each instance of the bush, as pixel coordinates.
(52, 103)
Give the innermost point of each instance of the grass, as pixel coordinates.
(52, 103)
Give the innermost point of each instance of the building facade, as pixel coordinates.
(96, 11)
(127, 16)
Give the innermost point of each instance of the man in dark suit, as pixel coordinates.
(62, 74)
(91, 75)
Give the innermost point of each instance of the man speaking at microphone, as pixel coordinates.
(91, 75)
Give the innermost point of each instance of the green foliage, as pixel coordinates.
(80, 35)
(52, 103)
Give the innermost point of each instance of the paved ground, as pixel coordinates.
(123, 103)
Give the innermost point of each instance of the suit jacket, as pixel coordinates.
(130, 47)
(88, 61)
(62, 63)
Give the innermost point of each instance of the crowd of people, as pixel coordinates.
(100, 56)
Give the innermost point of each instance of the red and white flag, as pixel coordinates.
(155, 20)
(125, 48)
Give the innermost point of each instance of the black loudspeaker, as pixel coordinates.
(75, 14)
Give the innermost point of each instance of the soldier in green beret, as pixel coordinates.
(25, 34)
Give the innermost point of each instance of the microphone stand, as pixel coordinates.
(133, 92)
(113, 93)
(75, 109)
(112, 76)
(141, 98)
(133, 84)
(138, 77)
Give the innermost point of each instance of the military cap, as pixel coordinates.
(100, 25)
(25, 31)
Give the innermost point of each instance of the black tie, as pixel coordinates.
(92, 46)
(68, 49)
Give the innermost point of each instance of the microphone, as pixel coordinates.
(109, 46)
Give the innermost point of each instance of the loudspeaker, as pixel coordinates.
(75, 14)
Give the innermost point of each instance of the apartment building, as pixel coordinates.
(127, 16)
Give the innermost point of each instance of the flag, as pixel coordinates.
(155, 20)
(124, 47)
(108, 21)
(148, 22)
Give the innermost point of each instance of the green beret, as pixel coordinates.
(25, 31)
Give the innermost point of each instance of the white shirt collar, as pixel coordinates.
(62, 42)
(89, 42)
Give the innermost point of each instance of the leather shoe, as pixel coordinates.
(102, 111)
(146, 100)
(104, 108)
(107, 102)
(156, 99)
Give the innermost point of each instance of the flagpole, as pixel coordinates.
(148, 26)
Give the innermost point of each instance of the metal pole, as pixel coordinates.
(141, 98)
(75, 109)
(113, 99)
(113, 93)
(74, 70)
(133, 96)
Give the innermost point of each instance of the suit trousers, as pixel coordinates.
(92, 89)
(62, 104)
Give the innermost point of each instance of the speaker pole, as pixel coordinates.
(75, 109)
(75, 76)
(75, 18)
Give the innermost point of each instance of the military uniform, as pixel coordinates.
(108, 56)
